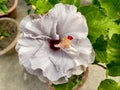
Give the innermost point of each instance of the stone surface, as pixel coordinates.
(14, 77)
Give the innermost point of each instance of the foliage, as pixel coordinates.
(109, 84)
(112, 8)
(66, 86)
(3, 34)
(43, 6)
(104, 33)
(73, 81)
(103, 19)
(3, 7)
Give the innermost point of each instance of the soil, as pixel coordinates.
(11, 29)
(9, 3)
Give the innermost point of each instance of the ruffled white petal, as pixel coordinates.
(50, 64)
(81, 48)
(39, 59)
(70, 22)
(36, 55)
(33, 28)
(44, 26)
(26, 47)
(78, 70)
(85, 50)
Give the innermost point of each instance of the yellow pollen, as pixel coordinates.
(65, 43)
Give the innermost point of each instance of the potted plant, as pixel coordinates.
(9, 34)
(61, 32)
(8, 8)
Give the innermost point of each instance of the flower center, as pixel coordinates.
(52, 44)
(63, 43)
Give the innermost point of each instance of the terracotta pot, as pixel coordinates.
(77, 87)
(12, 12)
(12, 26)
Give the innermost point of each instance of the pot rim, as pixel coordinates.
(12, 44)
(84, 78)
(11, 9)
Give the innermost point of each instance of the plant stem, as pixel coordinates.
(101, 66)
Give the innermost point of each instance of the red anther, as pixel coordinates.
(70, 37)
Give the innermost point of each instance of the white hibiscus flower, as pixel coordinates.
(55, 46)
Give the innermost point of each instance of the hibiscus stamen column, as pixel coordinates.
(65, 42)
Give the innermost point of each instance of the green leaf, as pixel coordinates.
(73, 81)
(67, 86)
(117, 21)
(96, 20)
(4, 9)
(109, 84)
(77, 3)
(53, 2)
(3, 1)
(113, 28)
(101, 56)
(100, 44)
(66, 1)
(96, 2)
(112, 7)
(113, 69)
(113, 56)
(100, 49)
(113, 49)
(72, 2)
(42, 6)
(98, 23)
(33, 2)
(5, 34)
